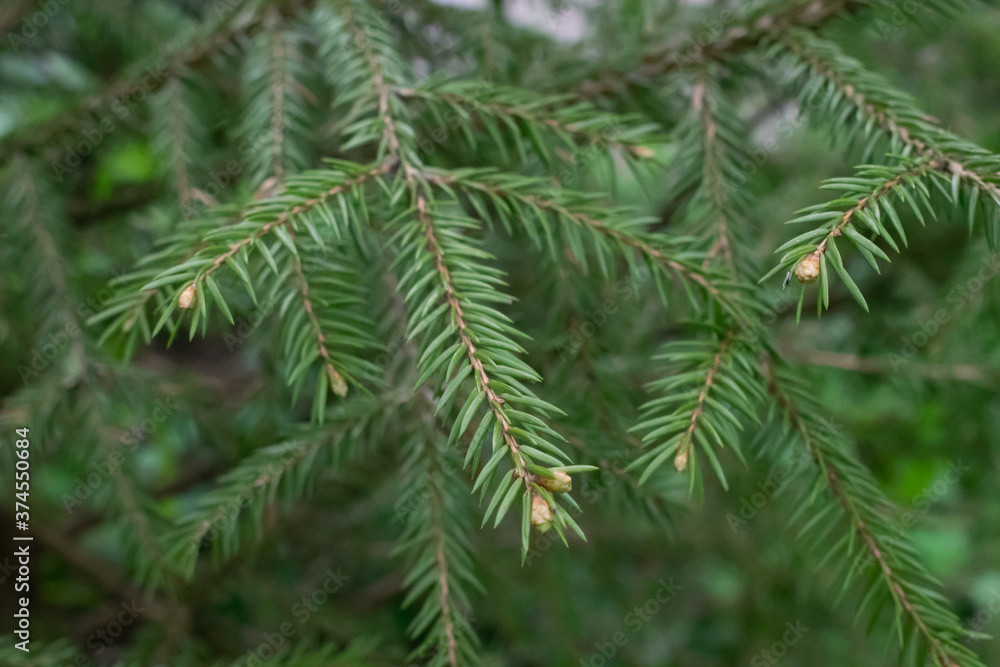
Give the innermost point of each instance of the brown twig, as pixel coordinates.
(482, 379)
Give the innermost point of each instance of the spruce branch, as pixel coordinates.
(365, 69)
(713, 176)
(35, 207)
(438, 551)
(363, 41)
(291, 467)
(176, 112)
(868, 201)
(337, 382)
(512, 115)
(303, 196)
(684, 450)
(278, 87)
(711, 147)
(696, 404)
(280, 115)
(448, 287)
(839, 89)
(493, 401)
(897, 572)
(530, 201)
(322, 319)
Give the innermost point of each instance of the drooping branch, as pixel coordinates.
(289, 215)
(454, 304)
(625, 238)
(683, 451)
(864, 507)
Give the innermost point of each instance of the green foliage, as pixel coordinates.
(393, 236)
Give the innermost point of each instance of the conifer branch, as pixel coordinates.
(680, 461)
(173, 91)
(448, 288)
(278, 86)
(865, 509)
(845, 91)
(494, 402)
(438, 550)
(521, 112)
(288, 215)
(35, 206)
(449, 627)
(337, 382)
(531, 202)
(292, 466)
(712, 170)
(878, 105)
(383, 91)
(869, 201)
(697, 400)
(280, 116)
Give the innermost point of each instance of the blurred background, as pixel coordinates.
(671, 583)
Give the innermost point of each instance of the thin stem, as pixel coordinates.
(867, 200)
(712, 170)
(482, 379)
(683, 452)
(382, 89)
(847, 503)
(337, 382)
(277, 93)
(594, 225)
(288, 215)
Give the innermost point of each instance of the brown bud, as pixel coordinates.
(186, 299)
(561, 483)
(807, 271)
(541, 514)
(644, 152)
(681, 460)
(337, 383)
